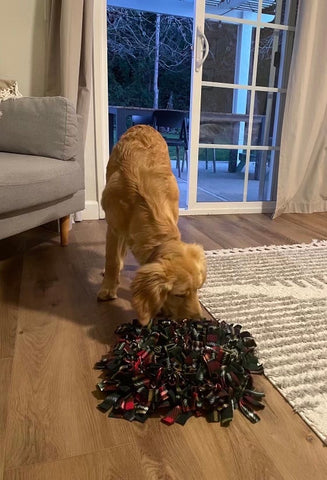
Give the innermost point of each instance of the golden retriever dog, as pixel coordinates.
(140, 201)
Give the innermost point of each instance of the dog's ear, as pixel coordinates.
(150, 288)
(196, 252)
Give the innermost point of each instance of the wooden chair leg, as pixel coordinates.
(178, 165)
(214, 160)
(184, 160)
(64, 230)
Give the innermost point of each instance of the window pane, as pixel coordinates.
(220, 63)
(245, 9)
(231, 49)
(261, 186)
(268, 108)
(274, 46)
(273, 11)
(216, 183)
(224, 116)
(281, 12)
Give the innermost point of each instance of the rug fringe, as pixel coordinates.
(266, 248)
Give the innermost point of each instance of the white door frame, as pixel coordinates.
(101, 114)
(194, 207)
(195, 103)
(100, 97)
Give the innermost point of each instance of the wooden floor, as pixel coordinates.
(52, 331)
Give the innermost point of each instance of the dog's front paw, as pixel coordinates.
(105, 294)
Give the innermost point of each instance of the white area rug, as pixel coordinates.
(279, 294)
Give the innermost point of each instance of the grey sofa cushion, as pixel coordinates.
(43, 126)
(27, 182)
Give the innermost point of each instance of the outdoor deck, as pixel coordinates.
(219, 186)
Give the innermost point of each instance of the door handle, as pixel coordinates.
(204, 49)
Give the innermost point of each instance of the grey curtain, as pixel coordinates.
(70, 47)
(302, 180)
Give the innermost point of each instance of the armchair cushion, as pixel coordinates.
(26, 183)
(42, 126)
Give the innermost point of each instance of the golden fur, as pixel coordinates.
(140, 201)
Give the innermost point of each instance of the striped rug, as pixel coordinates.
(279, 294)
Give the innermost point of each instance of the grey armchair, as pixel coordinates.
(41, 164)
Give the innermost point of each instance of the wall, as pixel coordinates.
(23, 46)
(23, 43)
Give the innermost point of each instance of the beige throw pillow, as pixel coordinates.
(9, 89)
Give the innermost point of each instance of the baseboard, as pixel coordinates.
(91, 211)
(225, 208)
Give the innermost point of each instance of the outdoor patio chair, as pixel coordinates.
(172, 126)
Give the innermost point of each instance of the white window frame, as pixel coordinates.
(193, 206)
(101, 112)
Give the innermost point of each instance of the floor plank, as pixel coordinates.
(53, 414)
(50, 425)
(10, 278)
(107, 464)
(5, 378)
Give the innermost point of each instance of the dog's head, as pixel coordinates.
(170, 283)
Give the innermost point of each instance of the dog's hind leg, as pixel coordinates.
(115, 254)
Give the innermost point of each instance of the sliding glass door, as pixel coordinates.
(241, 57)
